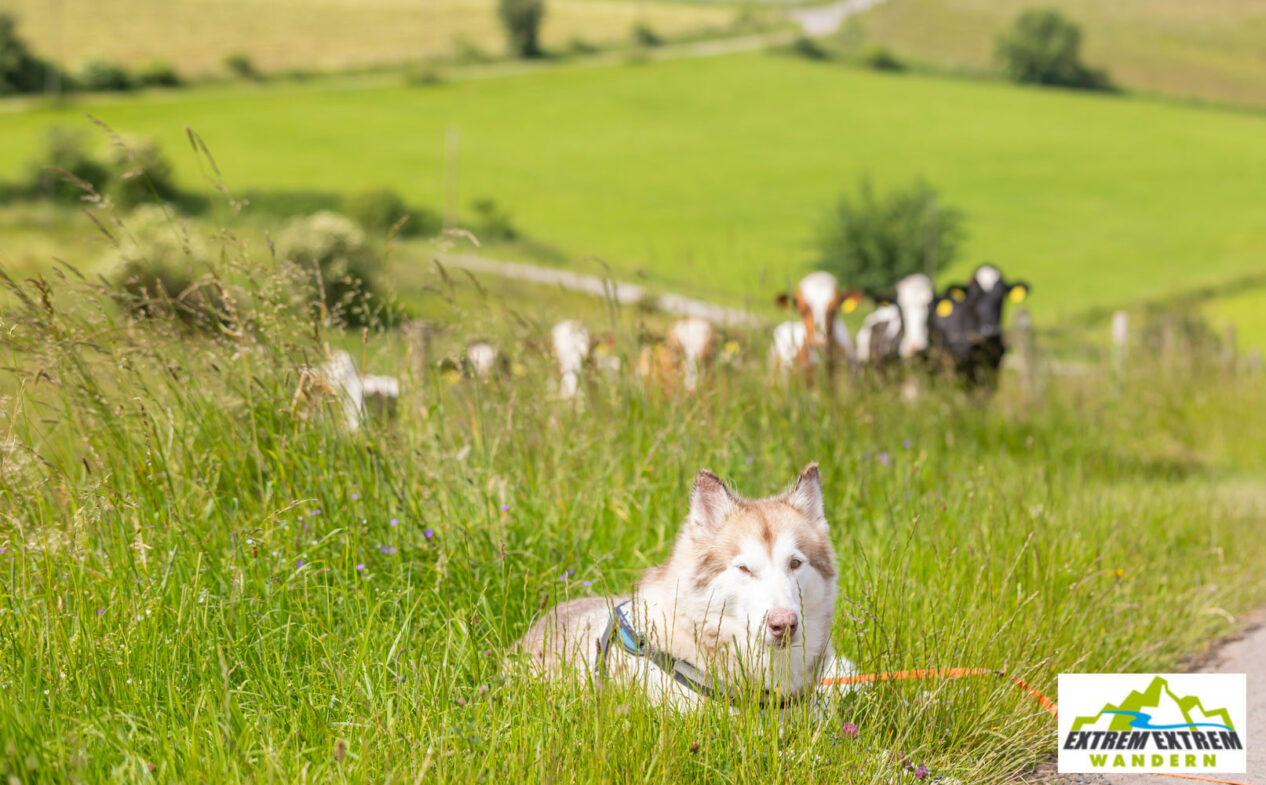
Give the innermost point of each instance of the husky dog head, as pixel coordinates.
(751, 583)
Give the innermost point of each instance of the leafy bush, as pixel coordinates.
(103, 75)
(66, 156)
(381, 209)
(140, 171)
(241, 66)
(157, 73)
(522, 22)
(344, 267)
(156, 267)
(493, 222)
(809, 49)
(20, 70)
(871, 241)
(880, 58)
(1043, 46)
(645, 35)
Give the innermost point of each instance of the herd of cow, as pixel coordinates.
(957, 332)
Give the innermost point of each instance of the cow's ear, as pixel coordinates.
(710, 502)
(782, 301)
(883, 298)
(806, 494)
(956, 293)
(1018, 292)
(852, 300)
(944, 307)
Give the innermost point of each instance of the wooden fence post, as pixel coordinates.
(1120, 341)
(1025, 353)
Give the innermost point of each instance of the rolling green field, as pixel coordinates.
(710, 176)
(1209, 50)
(196, 35)
(198, 582)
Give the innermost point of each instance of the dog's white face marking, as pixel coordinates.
(756, 579)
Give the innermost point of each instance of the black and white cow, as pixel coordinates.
(965, 326)
(898, 327)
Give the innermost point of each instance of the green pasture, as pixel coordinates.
(203, 580)
(1209, 50)
(710, 176)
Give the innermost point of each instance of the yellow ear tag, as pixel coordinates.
(850, 305)
(959, 295)
(452, 376)
(1018, 294)
(944, 308)
(731, 347)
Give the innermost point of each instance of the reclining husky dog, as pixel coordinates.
(740, 612)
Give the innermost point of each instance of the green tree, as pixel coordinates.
(522, 22)
(20, 70)
(870, 241)
(1043, 46)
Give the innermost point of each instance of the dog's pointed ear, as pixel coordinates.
(710, 501)
(806, 494)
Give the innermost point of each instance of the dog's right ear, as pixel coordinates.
(710, 501)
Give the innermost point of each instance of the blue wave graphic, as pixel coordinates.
(1143, 721)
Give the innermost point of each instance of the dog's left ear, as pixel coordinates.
(806, 495)
(710, 501)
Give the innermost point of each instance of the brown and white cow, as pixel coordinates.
(819, 300)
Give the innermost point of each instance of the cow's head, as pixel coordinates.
(817, 298)
(986, 295)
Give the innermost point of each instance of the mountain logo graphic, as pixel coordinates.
(1132, 713)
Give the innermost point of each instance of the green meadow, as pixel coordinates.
(711, 176)
(203, 578)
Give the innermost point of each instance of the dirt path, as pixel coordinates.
(826, 19)
(1244, 654)
(623, 293)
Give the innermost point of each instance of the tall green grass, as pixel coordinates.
(204, 580)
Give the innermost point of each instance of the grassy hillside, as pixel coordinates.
(1210, 49)
(195, 35)
(199, 582)
(710, 176)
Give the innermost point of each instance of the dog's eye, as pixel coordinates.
(743, 569)
(795, 564)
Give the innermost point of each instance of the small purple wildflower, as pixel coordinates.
(355, 496)
(461, 701)
(394, 521)
(850, 729)
(487, 652)
(567, 574)
(299, 563)
(885, 458)
(2, 550)
(428, 533)
(360, 567)
(100, 611)
(505, 508)
(388, 549)
(588, 583)
(921, 773)
(905, 443)
(750, 460)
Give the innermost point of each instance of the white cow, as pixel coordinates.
(357, 395)
(571, 348)
(693, 340)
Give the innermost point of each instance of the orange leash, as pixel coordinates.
(958, 673)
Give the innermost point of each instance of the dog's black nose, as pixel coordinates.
(782, 622)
